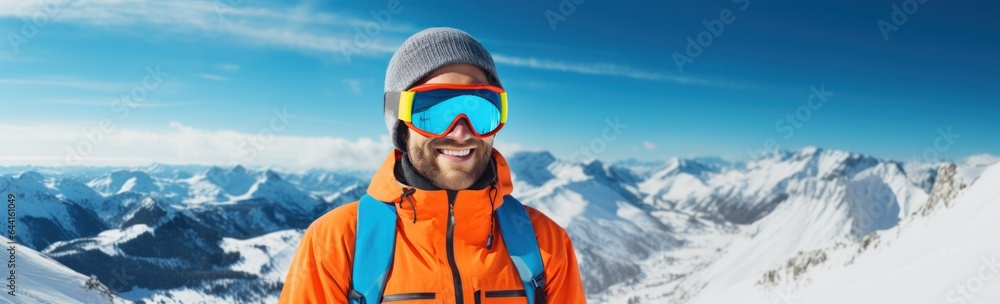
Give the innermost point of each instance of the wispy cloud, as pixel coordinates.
(354, 85)
(213, 77)
(983, 159)
(297, 27)
(648, 145)
(47, 144)
(101, 86)
(604, 69)
(562, 66)
(111, 102)
(228, 67)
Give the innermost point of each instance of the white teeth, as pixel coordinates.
(456, 152)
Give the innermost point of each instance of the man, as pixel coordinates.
(444, 104)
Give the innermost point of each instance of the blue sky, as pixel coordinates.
(225, 68)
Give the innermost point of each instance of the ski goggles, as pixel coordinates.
(433, 110)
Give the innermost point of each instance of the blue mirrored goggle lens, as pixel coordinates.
(426, 99)
(483, 114)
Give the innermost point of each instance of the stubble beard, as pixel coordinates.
(457, 177)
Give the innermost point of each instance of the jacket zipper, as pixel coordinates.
(450, 244)
(408, 297)
(499, 294)
(506, 293)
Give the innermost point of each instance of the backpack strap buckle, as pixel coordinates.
(355, 297)
(539, 281)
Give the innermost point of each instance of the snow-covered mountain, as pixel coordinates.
(331, 187)
(123, 181)
(164, 252)
(156, 232)
(263, 263)
(45, 215)
(942, 252)
(830, 208)
(947, 255)
(170, 235)
(811, 198)
(39, 279)
(699, 230)
(610, 227)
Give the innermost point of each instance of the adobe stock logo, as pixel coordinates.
(566, 8)
(48, 10)
(366, 34)
(599, 144)
(793, 121)
(899, 17)
(966, 292)
(713, 29)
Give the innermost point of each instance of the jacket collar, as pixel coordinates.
(427, 210)
(387, 187)
(406, 174)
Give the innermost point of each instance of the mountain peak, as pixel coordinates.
(638, 163)
(531, 167)
(123, 180)
(271, 175)
(128, 174)
(713, 161)
(810, 150)
(534, 157)
(594, 168)
(234, 181)
(238, 169)
(690, 166)
(156, 167)
(31, 176)
(214, 170)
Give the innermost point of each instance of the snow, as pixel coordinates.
(73, 190)
(951, 257)
(945, 256)
(820, 197)
(122, 181)
(973, 166)
(981, 160)
(608, 226)
(107, 241)
(811, 226)
(269, 255)
(46, 203)
(178, 296)
(40, 279)
(218, 186)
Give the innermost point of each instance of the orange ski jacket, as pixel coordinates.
(428, 267)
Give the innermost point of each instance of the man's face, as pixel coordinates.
(430, 156)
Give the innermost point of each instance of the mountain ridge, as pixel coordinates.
(644, 231)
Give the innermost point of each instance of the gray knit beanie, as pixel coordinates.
(423, 53)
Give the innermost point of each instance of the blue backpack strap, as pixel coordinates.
(374, 246)
(519, 236)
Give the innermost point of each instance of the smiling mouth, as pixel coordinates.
(456, 153)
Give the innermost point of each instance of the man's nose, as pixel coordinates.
(462, 131)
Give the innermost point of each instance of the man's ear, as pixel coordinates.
(404, 133)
